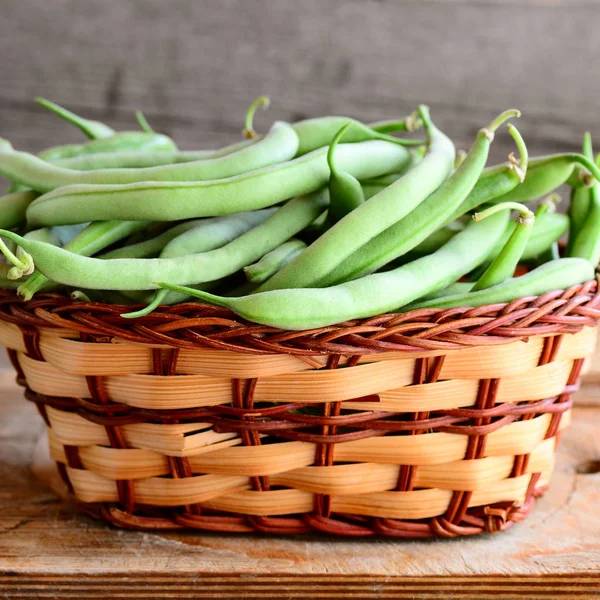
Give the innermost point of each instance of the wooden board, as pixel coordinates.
(48, 550)
(193, 67)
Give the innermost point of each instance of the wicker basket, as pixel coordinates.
(429, 423)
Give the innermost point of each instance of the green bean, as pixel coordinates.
(280, 145)
(305, 308)
(124, 160)
(192, 237)
(172, 201)
(556, 275)
(92, 239)
(13, 207)
(273, 261)
(78, 271)
(578, 211)
(153, 246)
(438, 208)
(504, 264)
(121, 160)
(587, 241)
(547, 230)
(545, 174)
(579, 206)
(316, 133)
(124, 141)
(372, 217)
(345, 191)
(210, 234)
(92, 129)
(409, 124)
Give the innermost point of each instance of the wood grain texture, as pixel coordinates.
(194, 66)
(47, 548)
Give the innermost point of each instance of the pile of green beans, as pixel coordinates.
(301, 225)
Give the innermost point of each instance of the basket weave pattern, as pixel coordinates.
(428, 423)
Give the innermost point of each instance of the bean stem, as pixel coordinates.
(262, 102)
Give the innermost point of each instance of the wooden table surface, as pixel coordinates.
(48, 550)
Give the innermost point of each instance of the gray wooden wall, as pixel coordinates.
(193, 65)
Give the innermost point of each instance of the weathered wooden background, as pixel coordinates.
(193, 65)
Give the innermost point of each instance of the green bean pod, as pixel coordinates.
(548, 228)
(371, 218)
(149, 248)
(545, 174)
(173, 201)
(318, 132)
(432, 214)
(143, 159)
(92, 129)
(92, 239)
(274, 261)
(579, 208)
(345, 191)
(13, 208)
(280, 145)
(306, 308)
(210, 234)
(581, 198)
(555, 275)
(504, 264)
(587, 242)
(83, 272)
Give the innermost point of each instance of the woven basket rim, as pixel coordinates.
(198, 325)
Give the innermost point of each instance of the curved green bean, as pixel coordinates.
(372, 217)
(209, 234)
(581, 198)
(545, 174)
(318, 132)
(345, 191)
(504, 264)
(172, 201)
(305, 308)
(555, 275)
(78, 271)
(587, 241)
(280, 145)
(92, 239)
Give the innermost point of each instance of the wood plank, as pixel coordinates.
(47, 548)
(194, 69)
